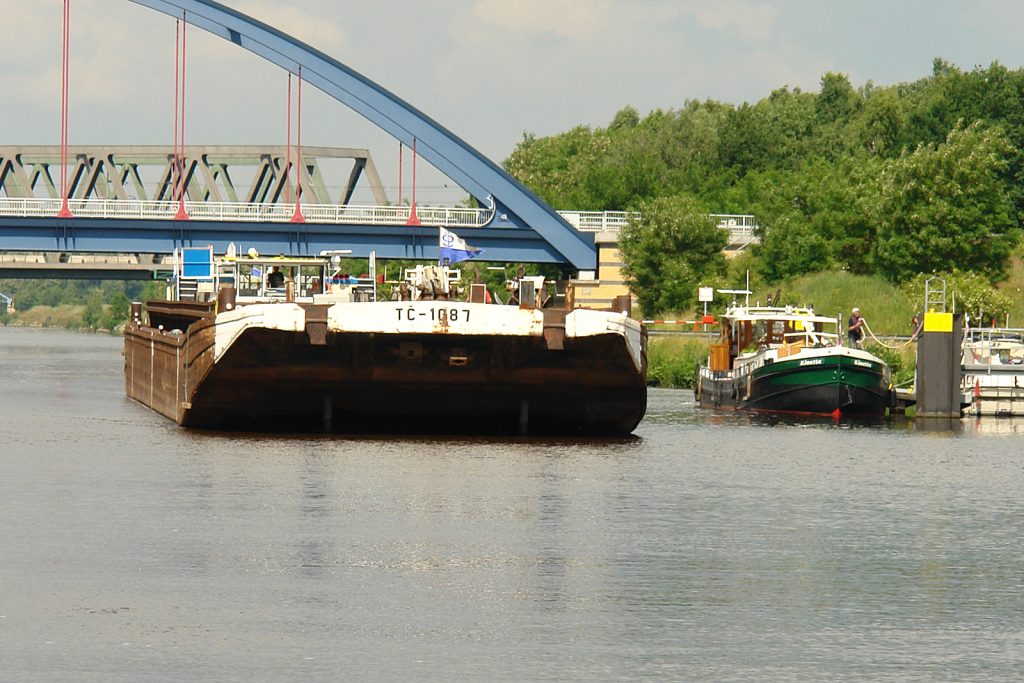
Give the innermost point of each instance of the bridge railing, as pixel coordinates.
(599, 221)
(741, 227)
(243, 212)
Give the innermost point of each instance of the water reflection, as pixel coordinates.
(710, 546)
(990, 425)
(677, 406)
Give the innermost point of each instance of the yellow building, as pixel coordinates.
(608, 281)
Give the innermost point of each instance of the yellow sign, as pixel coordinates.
(938, 322)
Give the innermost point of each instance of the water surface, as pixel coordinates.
(709, 547)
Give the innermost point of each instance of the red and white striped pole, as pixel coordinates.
(413, 218)
(65, 209)
(297, 217)
(182, 214)
(288, 148)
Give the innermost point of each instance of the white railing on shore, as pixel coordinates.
(741, 227)
(599, 221)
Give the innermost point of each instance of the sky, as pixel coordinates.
(489, 70)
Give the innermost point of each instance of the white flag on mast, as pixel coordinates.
(454, 249)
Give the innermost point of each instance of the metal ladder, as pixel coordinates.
(935, 295)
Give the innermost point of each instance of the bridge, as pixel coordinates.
(120, 211)
(212, 173)
(519, 227)
(35, 261)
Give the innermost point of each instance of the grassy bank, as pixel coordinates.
(673, 361)
(1013, 287)
(65, 316)
(886, 307)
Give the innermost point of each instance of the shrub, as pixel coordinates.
(902, 362)
(969, 293)
(673, 361)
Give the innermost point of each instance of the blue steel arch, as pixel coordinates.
(517, 208)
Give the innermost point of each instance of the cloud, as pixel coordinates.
(747, 19)
(317, 29)
(585, 20)
(566, 19)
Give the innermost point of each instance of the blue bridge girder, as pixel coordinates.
(156, 236)
(523, 228)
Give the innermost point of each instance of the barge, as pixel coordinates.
(790, 360)
(230, 351)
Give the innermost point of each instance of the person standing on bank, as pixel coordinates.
(855, 328)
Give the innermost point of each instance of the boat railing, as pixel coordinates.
(811, 338)
(989, 347)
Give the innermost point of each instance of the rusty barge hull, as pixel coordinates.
(390, 368)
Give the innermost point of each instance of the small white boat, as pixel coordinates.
(993, 370)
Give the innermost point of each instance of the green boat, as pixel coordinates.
(790, 360)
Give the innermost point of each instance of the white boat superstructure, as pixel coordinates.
(993, 370)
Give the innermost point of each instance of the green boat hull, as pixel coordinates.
(837, 385)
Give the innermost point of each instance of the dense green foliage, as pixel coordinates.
(902, 361)
(968, 293)
(946, 207)
(673, 361)
(890, 181)
(95, 304)
(668, 254)
(887, 308)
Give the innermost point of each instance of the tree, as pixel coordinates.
(93, 309)
(674, 247)
(972, 293)
(947, 207)
(791, 248)
(627, 117)
(813, 218)
(837, 99)
(880, 128)
(118, 312)
(552, 166)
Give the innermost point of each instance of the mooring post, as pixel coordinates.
(938, 365)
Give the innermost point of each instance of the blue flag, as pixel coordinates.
(454, 248)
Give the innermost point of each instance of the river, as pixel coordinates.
(708, 547)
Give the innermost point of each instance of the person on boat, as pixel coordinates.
(915, 326)
(275, 279)
(855, 328)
